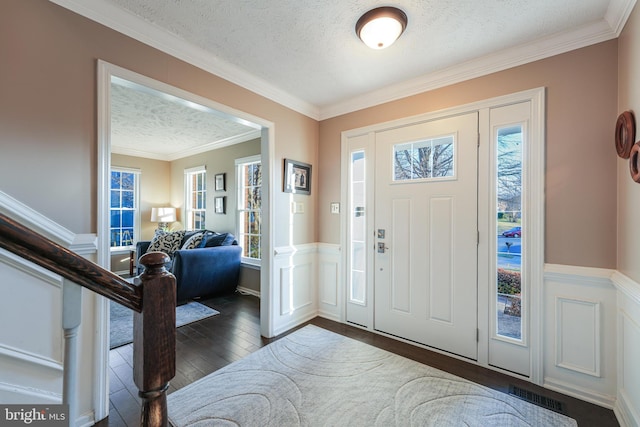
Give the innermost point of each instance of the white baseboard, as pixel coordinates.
(86, 420)
(247, 291)
(292, 324)
(329, 316)
(626, 415)
(580, 392)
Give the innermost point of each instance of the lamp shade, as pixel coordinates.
(167, 214)
(381, 27)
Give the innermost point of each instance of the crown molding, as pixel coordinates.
(488, 64)
(131, 25)
(237, 139)
(617, 14)
(122, 21)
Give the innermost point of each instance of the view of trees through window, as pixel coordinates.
(250, 208)
(431, 158)
(509, 227)
(196, 201)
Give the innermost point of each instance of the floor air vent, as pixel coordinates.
(537, 399)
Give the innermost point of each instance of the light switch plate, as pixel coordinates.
(297, 207)
(335, 208)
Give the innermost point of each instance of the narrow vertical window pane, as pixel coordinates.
(249, 207)
(358, 260)
(510, 232)
(127, 181)
(115, 218)
(115, 180)
(196, 199)
(115, 198)
(127, 199)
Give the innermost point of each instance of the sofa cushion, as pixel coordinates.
(193, 241)
(218, 239)
(167, 243)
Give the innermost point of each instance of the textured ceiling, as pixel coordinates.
(305, 54)
(309, 49)
(151, 124)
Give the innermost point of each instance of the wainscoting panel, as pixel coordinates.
(295, 285)
(579, 333)
(579, 352)
(627, 407)
(330, 293)
(32, 344)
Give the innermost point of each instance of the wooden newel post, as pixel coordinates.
(154, 339)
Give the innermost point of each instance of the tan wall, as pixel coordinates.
(217, 161)
(629, 191)
(48, 113)
(249, 278)
(580, 163)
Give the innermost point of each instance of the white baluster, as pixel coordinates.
(71, 317)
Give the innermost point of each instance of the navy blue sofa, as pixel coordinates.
(201, 272)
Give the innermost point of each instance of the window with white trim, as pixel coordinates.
(249, 208)
(123, 207)
(195, 204)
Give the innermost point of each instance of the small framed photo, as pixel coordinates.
(297, 177)
(220, 205)
(220, 182)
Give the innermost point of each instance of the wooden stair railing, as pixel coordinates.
(152, 297)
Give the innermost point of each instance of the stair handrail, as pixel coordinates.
(152, 298)
(38, 249)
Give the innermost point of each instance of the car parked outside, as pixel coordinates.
(514, 232)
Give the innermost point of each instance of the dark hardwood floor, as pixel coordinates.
(210, 344)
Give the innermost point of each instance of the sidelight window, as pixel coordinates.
(358, 227)
(511, 233)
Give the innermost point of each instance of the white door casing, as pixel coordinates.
(511, 354)
(533, 199)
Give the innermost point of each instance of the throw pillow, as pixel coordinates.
(193, 241)
(215, 239)
(167, 243)
(159, 233)
(229, 239)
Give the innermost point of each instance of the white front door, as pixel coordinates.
(426, 231)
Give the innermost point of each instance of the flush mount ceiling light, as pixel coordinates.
(380, 27)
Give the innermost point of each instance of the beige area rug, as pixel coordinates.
(314, 377)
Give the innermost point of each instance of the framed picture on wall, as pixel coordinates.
(297, 177)
(220, 205)
(220, 182)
